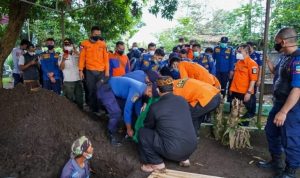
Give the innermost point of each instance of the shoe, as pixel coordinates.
(99, 113)
(276, 164)
(158, 167)
(114, 141)
(288, 173)
(185, 163)
(147, 168)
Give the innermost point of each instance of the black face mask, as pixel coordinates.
(121, 52)
(50, 47)
(277, 47)
(95, 38)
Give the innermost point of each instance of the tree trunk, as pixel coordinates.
(18, 12)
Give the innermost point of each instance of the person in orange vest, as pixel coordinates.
(202, 98)
(244, 78)
(193, 70)
(190, 51)
(118, 61)
(94, 60)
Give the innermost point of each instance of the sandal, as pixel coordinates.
(185, 163)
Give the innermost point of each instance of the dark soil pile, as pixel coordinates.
(36, 133)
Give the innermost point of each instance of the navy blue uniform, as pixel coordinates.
(49, 63)
(207, 62)
(287, 136)
(224, 59)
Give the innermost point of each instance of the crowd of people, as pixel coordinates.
(188, 82)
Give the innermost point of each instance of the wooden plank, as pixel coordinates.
(178, 174)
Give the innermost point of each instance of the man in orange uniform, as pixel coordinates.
(94, 59)
(202, 98)
(244, 78)
(118, 61)
(193, 70)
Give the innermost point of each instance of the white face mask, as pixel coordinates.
(68, 48)
(151, 52)
(31, 53)
(88, 156)
(239, 56)
(135, 48)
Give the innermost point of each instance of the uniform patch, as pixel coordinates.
(254, 70)
(146, 63)
(228, 51)
(155, 68)
(135, 97)
(181, 83)
(46, 56)
(217, 50)
(298, 69)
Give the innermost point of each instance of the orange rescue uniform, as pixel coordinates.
(94, 56)
(196, 71)
(119, 64)
(245, 71)
(190, 54)
(194, 91)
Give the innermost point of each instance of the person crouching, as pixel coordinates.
(168, 131)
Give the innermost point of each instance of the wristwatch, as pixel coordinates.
(249, 92)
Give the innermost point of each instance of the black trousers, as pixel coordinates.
(152, 153)
(248, 104)
(198, 112)
(92, 77)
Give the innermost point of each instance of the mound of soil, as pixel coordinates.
(38, 128)
(36, 133)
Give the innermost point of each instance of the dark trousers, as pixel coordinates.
(92, 77)
(74, 92)
(223, 77)
(252, 108)
(198, 112)
(17, 79)
(56, 87)
(107, 98)
(286, 137)
(248, 104)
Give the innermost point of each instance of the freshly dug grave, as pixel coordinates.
(36, 133)
(38, 128)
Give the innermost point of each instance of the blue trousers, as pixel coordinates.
(109, 101)
(56, 87)
(223, 78)
(287, 137)
(17, 79)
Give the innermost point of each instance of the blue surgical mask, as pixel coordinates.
(223, 45)
(196, 54)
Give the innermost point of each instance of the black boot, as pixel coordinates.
(114, 140)
(276, 164)
(288, 173)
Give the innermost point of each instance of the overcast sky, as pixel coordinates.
(157, 24)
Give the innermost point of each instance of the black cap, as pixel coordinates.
(224, 39)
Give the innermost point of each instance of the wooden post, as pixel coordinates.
(266, 32)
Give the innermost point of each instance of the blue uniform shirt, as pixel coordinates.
(138, 75)
(207, 62)
(130, 90)
(295, 69)
(257, 57)
(49, 63)
(224, 58)
(72, 170)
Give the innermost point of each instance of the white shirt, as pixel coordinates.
(71, 71)
(16, 53)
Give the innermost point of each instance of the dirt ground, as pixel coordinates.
(37, 130)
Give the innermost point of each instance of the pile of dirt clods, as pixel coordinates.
(36, 133)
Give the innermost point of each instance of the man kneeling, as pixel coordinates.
(168, 130)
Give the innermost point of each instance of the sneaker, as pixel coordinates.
(147, 168)
(185, 163)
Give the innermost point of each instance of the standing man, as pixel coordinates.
(16, 53)
(50, 69)
(257, 57)
(68, 63)
(168, 130)
(94, 59)
(225, 59)
(118, 61)
(244, 78)
(203, 59)
(153, 62)
(283, 124)
(28, 64)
